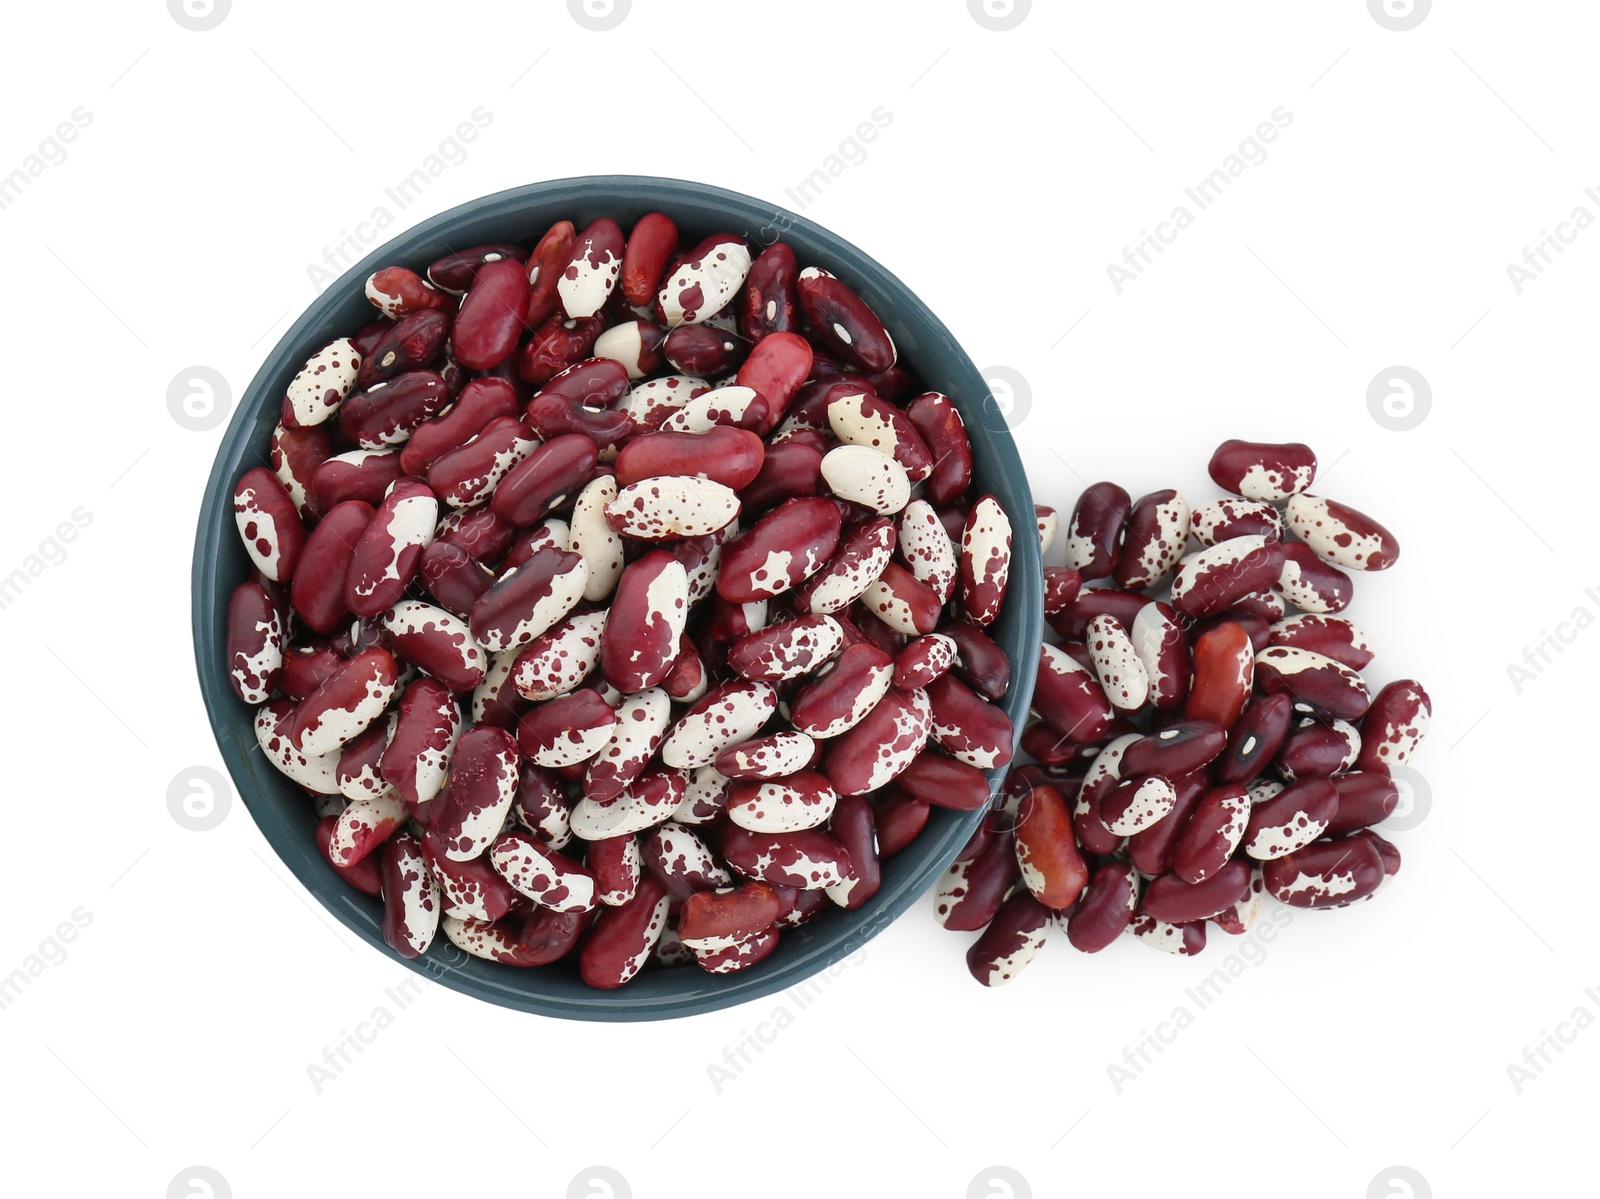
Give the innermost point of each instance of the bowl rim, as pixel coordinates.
(215, 525)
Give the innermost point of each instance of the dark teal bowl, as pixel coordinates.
(521, 215)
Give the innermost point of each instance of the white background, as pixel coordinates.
(219, 164)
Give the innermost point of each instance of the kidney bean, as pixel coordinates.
(411, 901)
(858, 417)
(620, 941)
(784, 548)
(712, 920)
(406, 346)
(786, 650)
(1011, 941)
(1105, 908)
(1117, 665)
(1052, 867)
(945, 782)
(397, 291)
(541, 807)
(924, 660)
(455, 271)
(727, 714)
(843, 321)
(667, 508)
(305, 668)
(650, 245)
(971, 891)
(843, 693)
(1316, 683)
(254, 644)
(436, 641)
(1212, 834)
(364, 825)
(1317, 750)
(648, 613)
(1331, 636)
(1261, 470)
(322, 384)
(861, 475)
(1366, 797)
(424, 737)
(557, 345)
(1225, 519)
(730, 456)
(899, 818)
(545, 267)
(882, 745)
(1394, 726)
(386, 413)
(645, 802)
(968, 727)
(1175, 901)
(269, 524)
(566, 730)
(1157, 531)
(1094, 535)
(985, 560)
(295, 455)
(364, 475)
(470, 811)
(544, 479)
(454, 578)
(636, 344)
(731, 406)
(1151, 849)
(1072, 620)
(546, 876)
(1339, 534)
(926, 549)
(1184, 940)
(1069, 699)
(901, 602)
(1291, 819)
(770, 302)
(1242, 916)
(651, 403)
(358, 773)
(980, 662)
(592, 271)
(811, 859)
(1136, 804)
(1224, 669)
(1311, 584)
(1326, 874)
(481, 402)
(555, 662)
(345, 704)
(1256, 738)
(469, 475)
(490, 320)
(365, 875)
(1175, 750)
(682, 862)
(940, 425)
(705, 350)
(702, 285)
(1387, 851)
(1049, 522)
(791, 804)
(770, 756)
(854, 825)
(1213, 579)
(529, 599)
(274, 722)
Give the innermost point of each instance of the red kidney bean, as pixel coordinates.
(782, 550)
(545, 266)
(620, 941)
(1048, 857)
(853, 825)
(1224, 669)
(704, 350)
(411, 900)
(985, 560)
(321, 385)
(528, 599)
(1175, 750)
(967, 726)
(1327, 874)
(770, 302)
(650, 245)
(481, 402)
(590, 274)
(1105, 908)
(385, 559)
(254, 645)
(1262, 470)
(545, 479)
(900, 817)
(1094, 535)
(1069, 699)
(980, 662)
(1163, 650)
(1256, 739)
(408, 344)
(711, 920)
(1157, 531)
(1225, 519)
(269, 525)
(456, 270)
(1175, 901)
(1387, 850)
(1331, 636)
(843, 321)
(490, 320)
(1011, 941)
(901, 602)
(1339, 534)
(484, 776)
(418, 752)
(1151, 849)
(1317, 750)
(556, 345)
(453, 577)
(1258, 630)
(364, 475)
(936, 418)
(840, 697)
(1394, 726)
(397, 292)
(1316, 683)
(1366, 797)
(295, 456)
(305, 668)
(945, 782)
(646, 622)
(732, 457)
(1212, 834)
(970, 894)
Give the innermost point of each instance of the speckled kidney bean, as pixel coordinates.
(1151, 849)
(322, 384)
(1094, 533)
(647, 619)
(858, 417)
(1261, 470)
(1175, 750)
(725, 715)
(481, 402)
(453, 577)
(1157, 531)
(735, 406)
(1311, 584)
(1116, 664)
(1072, 619)
(1163, 650)
(338, 711)
(1184, 940)
(410, 343)
(967, 726)
(783, 549)
(1211, 580)
(386, 413)
(1012, 940)
(528, 599)
(1263, 606)
(620, 941)
(971, 891)
(411, 900)
(1256, 738)
(645, 802)
(1225, 519)
(901, 602)
(1171, 899)
(294, 456)
(771, 300)
(924, 660)
(786, 650)
(702, 285)
(455, 271)
(418, 752)
(1291, 819)
(861, 475)
(985, 561)
(882, 745)
(254, 645)
(1339, 534)
(1394, 726)
(1224, 670)
(436, 641)
(811, 859)
(556, 345)
(545, 266)
(1327, 874)
(778, 755)
(592, 271)
(1048, 857)
(1212, 833)
(364, 475)
(268, 523)
(566, 730)
(1316, 683)
(1331, 636)
(980, 662)
(864, 549)
(936, 418)
(1136, 804)
(1069, 699)
(366, 875)
(671, 507)
(842, 694)
(484, 775)
(848, 328)
(397, 291)
(559, 659)
(799, 801)
(274, 722)
(1314, 749)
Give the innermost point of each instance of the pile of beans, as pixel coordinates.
(1194, 754)
(603, 589)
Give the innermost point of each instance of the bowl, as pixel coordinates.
(521, 215)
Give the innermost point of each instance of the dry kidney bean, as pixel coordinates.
(1105, 908)
(418, 751)
(254, 643)
(1394, 726)
(455, 272)
(1157, 532)
(1094, 534)
(1256, 738)
(1316, 683)
(1011, 941)
(1341, 535)
(408, 344)
(489, 322)
(973, 888)
(771, 301)
(1317, 750)
(1291, 819)
(1366, 797)
(1331, 636)
(1262, 470)
(1224, 670)
(269, 524)
(705, 283)
(411, 899)
(1047, 855)
(321, 385)
(1327, 874)
(1311, 584)
(846, 326)
(1171, 899)
(295, 456)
